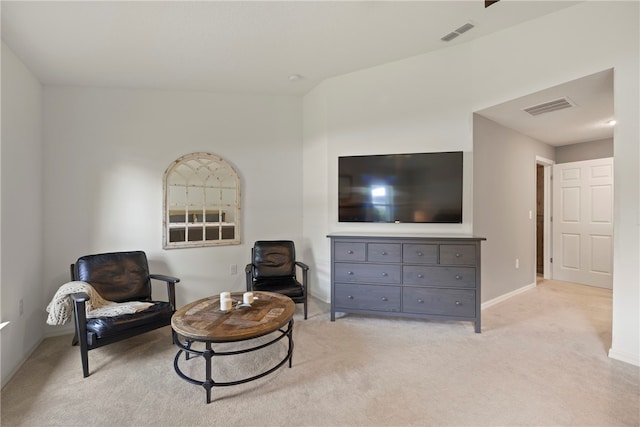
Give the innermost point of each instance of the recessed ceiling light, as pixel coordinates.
(295, 77)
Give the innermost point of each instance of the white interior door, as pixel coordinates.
(583, 222)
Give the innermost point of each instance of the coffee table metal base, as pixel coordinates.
(208, 353)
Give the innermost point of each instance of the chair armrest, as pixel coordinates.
(302, 265)
(305, 270)
(171, 287)
(80, 297)
(164, 278)
(248, 272)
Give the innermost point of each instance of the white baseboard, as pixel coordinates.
(506, 296)
(633, 359)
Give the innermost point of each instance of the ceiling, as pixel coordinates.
(586, 120)
(237, 46)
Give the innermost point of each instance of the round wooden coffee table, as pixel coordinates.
(203, 321)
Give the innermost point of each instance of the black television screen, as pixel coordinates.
(411, 188)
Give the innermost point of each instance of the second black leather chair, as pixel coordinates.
(273, 268)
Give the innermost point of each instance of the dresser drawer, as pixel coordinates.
(458, 254)
(367, 273)
(453, 277)
(350, 251)
(445, 302)
(384, 252)
(367, 297)
(420, 254)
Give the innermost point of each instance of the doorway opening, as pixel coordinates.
(539, 220)
(543, 219)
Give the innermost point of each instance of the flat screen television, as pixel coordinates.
(401, 188)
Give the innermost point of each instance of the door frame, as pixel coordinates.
(547, 252)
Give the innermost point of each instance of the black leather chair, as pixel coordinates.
(273, 269)
(118, 277)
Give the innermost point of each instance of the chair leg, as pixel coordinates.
(81, 339)
(81, 335)
(84, 354)
(305, 309)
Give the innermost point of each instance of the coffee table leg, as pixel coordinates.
(290, 334)
(208, 382)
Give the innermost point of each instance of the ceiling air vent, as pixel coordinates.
(466, 27)
(547, 107)
(455, 33)
(452, 35)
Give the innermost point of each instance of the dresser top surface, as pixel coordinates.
(404, 236)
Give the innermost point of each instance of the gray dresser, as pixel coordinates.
(424, 277)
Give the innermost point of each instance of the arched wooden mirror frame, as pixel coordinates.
(201, 202)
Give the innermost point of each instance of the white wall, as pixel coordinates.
(504, 163)
(599, 149)
(315, 182)
(21, 275)
(426, 103)
(106, 151)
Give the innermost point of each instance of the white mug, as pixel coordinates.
(226, 304)
(225, 295)
(247, 298)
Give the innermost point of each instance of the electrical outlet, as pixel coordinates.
(21, 306)
(233, 269)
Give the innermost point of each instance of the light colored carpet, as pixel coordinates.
(541, 360)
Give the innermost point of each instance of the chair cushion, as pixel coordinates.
(107, 326)
(283, 285)
(273, 258)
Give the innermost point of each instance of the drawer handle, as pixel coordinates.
(458, 303)
(350, 273)
(384, 274)
(350, 296)
(458, 277)
(458, 255)
(420, 300)
(383, 253)
(419, 253)
(420, 276)
(384, 299)
(350, 252)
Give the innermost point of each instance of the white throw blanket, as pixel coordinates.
(60, 308)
